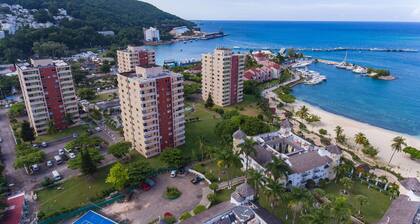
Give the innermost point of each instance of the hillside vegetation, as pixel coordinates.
(125, 17)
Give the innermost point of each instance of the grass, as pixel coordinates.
(377, 205)
(74, 192)
(212, 169)
(61, 134)
(223, 195)
(247, 107)
(103, 97)
(203, 128)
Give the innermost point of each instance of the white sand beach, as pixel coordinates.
(378, 137)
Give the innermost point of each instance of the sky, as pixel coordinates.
(301, 10)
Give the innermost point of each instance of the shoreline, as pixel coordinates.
(379, 137)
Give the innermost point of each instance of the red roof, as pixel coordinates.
(15, 209)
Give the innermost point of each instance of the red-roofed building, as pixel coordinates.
(15, 210)
(267, 72)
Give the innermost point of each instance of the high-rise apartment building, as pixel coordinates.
(49, 94)
(133, 56)
(223, 76)
(152, 109)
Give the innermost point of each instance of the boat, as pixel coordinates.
(311, 77)
(343, 64)
(359, 70)
(302, 64)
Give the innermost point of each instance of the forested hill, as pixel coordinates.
(125, 17)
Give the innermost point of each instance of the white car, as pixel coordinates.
(98, 129)
(72, 155)
(44, 144)
(61, 152)
(173, 173)
(1, 140)
(49, 163)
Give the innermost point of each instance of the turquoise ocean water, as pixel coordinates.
(394, 105)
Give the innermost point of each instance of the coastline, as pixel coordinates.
(379, 137)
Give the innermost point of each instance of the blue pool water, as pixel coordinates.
(394, 105)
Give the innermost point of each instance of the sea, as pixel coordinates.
(393, 105)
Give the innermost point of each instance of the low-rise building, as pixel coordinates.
(178, 31)
(151, 34)
(306, 161)
(267, 71)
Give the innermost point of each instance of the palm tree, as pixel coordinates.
(363, 200)
(339, 135)
(226, 159)
(361, 139)
(304, 196)
(340, 209)
(256, 178)
(347, 183)
(303, 112)
(296, 207)
(247, 149)
(317, 216)
(278, 168)
(397, 145)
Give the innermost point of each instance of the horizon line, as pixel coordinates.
(343, 21)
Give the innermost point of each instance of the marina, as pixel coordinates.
(311, 77)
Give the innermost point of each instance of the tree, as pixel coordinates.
(139, 171)
(278, 168)
(317, 216)
(339, 135)
(51, 128)
(27, 132)
(363, 200)
(303, 112)
(173, 158)
(225, 159)
(86, 93)
(209, 102)
(340, 209)
(87, 165)
(42, 16)
(256, 179)
(50, 49)
(17, 110)
(397, 146)
(347, 183)
(247, 149)
(87, 160)
(361, 139)
(105, 67)
(118, 176)
(120, 149)
(26, 155)
(296, 207)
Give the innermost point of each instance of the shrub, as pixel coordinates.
(325, 141)
(211, 176)
(169, 220)
(370, 151)
(212, 198)
(413, 152)
(214, 186)
(172, 193)
(323, 131)
(199, 168)
(199, 209)
(185, 215)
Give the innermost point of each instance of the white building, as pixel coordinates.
(2, 35)
(178, 31)
(306, 161)
(151, 35)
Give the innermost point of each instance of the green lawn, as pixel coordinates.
(376, 207)
(203, 128)
(223, 195)
(74, 192)
(212, 169)
(247, 107)
(103, 97)
(61, 134)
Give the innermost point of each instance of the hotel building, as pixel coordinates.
(223, 76)
(152, 109)
(133, 56)
(49, 94)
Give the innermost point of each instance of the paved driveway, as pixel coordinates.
(148, 206)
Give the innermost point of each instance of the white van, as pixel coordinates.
(56, 175)
(58, 159)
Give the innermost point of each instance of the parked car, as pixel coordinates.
(35, 167)
(181, 171)
(98, 129)
(58, 159)
(56, 175)
(150, 182)
(35, 145)
(145, 186)
(1, 140)
(173, 173)
(50, 163)
(68, 150)
(196, 180)
(61, 152)
(44, 144)
(72, 155)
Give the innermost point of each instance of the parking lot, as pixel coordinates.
(145, 207)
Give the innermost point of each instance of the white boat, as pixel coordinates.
(302, 64)
(359, 70)
(343, 64)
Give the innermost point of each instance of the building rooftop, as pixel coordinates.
(14, 210)
(239, 134)
(303, 162)
(245, 190)
(402, 210)
(334, 149)
(412, 184)
(262, 156)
